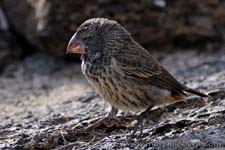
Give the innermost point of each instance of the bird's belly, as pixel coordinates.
(120, 96)
(126, 94)
(118, 91)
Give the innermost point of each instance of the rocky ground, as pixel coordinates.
(46, 102)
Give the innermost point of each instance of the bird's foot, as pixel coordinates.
(140, 119)
(97, 124)
(100, 122)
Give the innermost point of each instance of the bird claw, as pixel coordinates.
(140, 123)
(90, 130)
(97, 124)
(136, 128)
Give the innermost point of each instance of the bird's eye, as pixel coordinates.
(85, 28)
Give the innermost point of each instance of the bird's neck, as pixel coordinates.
(84, 57)
(94, 58)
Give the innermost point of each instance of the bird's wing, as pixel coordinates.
(159, 78)
(144, 69)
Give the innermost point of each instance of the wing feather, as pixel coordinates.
(144, 69)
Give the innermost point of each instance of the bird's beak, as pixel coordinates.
(75, 46)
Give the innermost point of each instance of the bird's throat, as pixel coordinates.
(84, 57)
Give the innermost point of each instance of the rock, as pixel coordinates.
(196, 22)
(9, 47)
(161, 24)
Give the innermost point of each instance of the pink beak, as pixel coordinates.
(75, 46)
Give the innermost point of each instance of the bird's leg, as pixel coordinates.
(111, 114)
(140, 119)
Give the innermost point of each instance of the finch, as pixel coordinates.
(121, 71)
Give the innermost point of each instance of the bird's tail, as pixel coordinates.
(192, 91)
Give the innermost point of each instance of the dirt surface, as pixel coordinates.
(46, 103)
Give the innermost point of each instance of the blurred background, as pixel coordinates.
(28, 26)
(38, 82)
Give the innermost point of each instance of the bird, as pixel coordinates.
(123, 72)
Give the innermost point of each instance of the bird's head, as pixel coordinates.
(98, 37)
